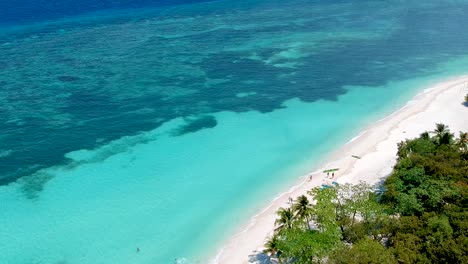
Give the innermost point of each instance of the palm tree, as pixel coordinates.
(271, 248)
(463, 141)
(442, 134)
(440, 129)
(302, 209)
(285, 220)
(446, 139)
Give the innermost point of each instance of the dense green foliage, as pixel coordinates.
(420, 217)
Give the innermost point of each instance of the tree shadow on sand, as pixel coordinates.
(259, 257)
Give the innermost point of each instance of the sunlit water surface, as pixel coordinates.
(148, 135)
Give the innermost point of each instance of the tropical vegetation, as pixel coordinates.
(418, 215)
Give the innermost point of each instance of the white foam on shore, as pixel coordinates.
(356, 137)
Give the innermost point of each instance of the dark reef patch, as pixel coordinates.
(196, 124)
(33, 184)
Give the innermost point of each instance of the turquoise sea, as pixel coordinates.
(146, 132)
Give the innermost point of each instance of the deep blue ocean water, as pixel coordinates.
(120, 109)
(33, 11)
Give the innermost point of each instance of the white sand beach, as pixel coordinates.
(376, 146)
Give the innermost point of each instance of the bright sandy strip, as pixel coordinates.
(377, 147)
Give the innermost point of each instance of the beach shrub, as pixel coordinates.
(428, 191)
(365, 250)
(303, 246)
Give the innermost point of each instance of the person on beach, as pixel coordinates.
(333, 175)
(310, 177)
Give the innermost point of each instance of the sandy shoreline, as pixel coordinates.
(376, 145)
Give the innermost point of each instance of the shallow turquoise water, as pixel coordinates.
(164, 129)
